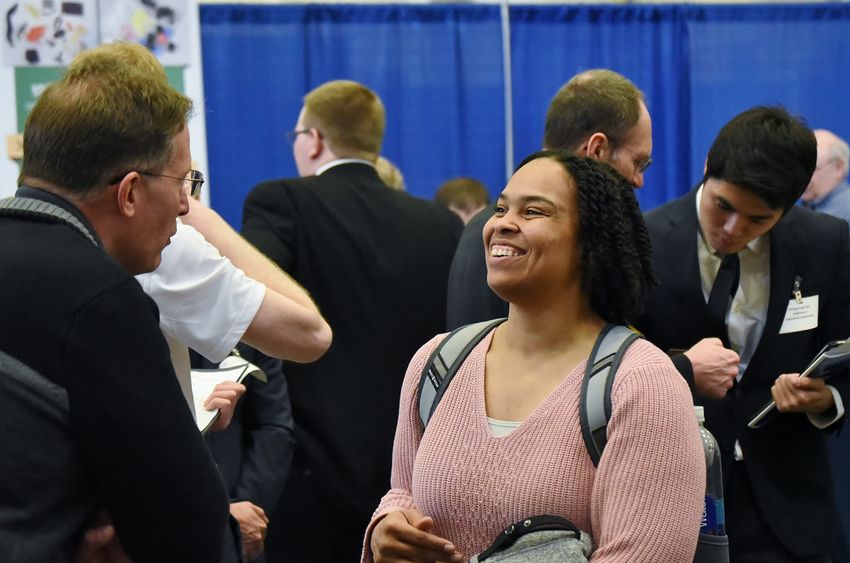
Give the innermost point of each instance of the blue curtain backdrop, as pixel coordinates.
(438, 69)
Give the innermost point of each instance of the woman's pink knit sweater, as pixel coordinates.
(642, 504)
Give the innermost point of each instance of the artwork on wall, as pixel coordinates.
(50, 33)
(47, 32)
(159, 25)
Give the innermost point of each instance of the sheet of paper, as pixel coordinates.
(800, 316)
(203, 383)
(233, 368)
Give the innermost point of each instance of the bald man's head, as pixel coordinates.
(832, 165)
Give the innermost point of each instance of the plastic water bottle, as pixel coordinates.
(713, 517)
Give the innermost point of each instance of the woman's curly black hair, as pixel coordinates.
(616, 271)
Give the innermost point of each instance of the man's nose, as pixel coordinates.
(184, 203)
(732, 224)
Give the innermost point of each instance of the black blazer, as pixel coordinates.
(470, 299)
(786, 459)
(376, 261)
(254, 453)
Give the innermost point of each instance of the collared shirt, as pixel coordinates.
(325, 167)
(747, 316)
(835, 203)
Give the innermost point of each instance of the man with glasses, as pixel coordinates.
(376, 261)
(213, 290)
(100, 421)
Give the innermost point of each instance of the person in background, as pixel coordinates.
(106, 152)
(376, 261)
(828, 190)
(568, 249)
(465, 196)
(254, 453)
(738, 261)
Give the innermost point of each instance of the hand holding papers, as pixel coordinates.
(233, 368)
(832, 359)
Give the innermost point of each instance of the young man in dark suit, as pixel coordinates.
(376, 262)
(737, 260)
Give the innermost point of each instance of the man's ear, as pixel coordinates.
(127, 194)
(842, 169)
(317, 144)
(597, 147)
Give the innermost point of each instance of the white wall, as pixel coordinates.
(8, 126)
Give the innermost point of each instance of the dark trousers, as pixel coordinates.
(312, 526)
(750, 538)
(839, 460)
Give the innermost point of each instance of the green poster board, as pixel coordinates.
(31, 81)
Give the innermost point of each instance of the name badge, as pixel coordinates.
(801, 314)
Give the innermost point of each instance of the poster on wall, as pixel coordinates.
(159, 25)
(47, 32)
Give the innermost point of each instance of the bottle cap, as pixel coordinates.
(700, 414)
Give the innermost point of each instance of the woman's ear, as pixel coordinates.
(598, 147)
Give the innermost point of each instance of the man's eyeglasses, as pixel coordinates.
(643, 165)
(292, 135)
(192, 182)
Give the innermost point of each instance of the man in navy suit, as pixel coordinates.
(376, 261)
(737, 260)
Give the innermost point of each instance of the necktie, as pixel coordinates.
(724, 289)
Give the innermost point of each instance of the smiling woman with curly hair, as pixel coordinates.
(568, 249)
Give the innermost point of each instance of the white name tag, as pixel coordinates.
(800, 315)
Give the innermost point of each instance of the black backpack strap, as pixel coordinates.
(42, 211)
(595, 401)
(512, 533)
(444, 363)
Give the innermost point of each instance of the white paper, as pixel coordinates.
(800, 316)
(233, 368)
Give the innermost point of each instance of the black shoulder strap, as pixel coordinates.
(42, 211)
(444, 363)
(595, 401)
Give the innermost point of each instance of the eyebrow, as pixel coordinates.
(733, 208)
(528, 199)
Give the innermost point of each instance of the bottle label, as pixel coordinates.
(713, 518)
